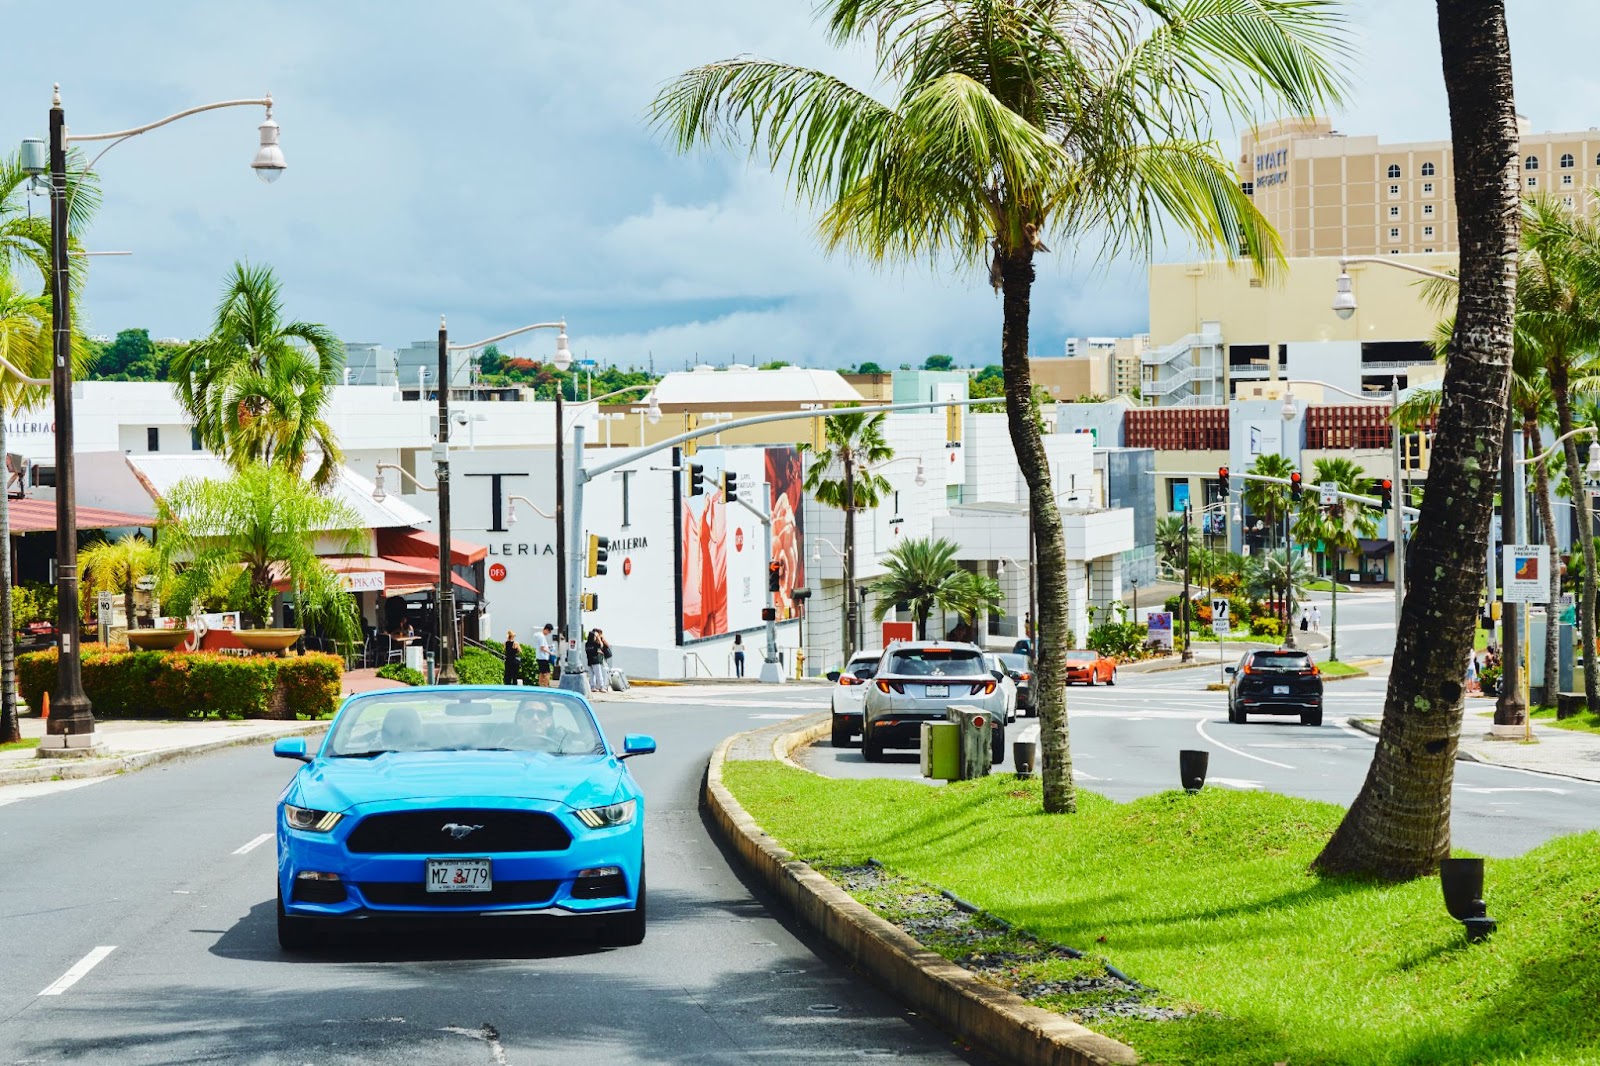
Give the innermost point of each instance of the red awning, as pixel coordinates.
(399, 575)
(39, 516)
(409, 543)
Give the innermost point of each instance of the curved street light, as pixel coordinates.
(74, 714)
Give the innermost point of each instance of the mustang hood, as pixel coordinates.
(457, 776)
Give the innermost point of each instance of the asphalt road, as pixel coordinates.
(158, 867)
(1126, 739)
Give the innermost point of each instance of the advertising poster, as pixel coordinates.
(1160, 623)
(722, 556)
(1527, 573)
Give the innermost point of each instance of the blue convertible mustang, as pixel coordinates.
(459, 801)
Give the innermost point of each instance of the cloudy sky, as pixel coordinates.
(490, 160)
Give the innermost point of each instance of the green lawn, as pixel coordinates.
(27, 742)
(1586, 722)
(1206, 897)
(1322, 584)
(1333, 668)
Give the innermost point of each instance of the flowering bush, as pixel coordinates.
(153, 684)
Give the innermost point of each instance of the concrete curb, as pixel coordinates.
(77, 769)
(996, 1021)
(1344, 677)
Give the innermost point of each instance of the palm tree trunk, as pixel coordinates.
(1050, 547)
(1580, 505)
(10, 728)
(849, 553)
(1399, 825)
(1547, 519)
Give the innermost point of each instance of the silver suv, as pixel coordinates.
(915, 682)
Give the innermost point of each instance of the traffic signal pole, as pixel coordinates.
(771, 672)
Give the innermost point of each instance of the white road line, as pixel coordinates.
(252, 844)
(1200, 727)
(1234, 782)
(1470, 788)
(79, 969)
(17, 793)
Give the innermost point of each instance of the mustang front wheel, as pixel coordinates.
(294, 934)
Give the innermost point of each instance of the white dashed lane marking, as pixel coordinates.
(252, 844)
(79, 969)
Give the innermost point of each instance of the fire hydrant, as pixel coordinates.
(799, 663)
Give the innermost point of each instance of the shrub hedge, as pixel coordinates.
(402, 673)
(154, 684)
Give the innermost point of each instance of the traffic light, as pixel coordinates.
(730, 486)
(1222, 476)
(769, 614)
(800, 595)
(589, 601)
(697, 479)
(774, 576)
(1386, 493)
(598, 550)
(1295, 485)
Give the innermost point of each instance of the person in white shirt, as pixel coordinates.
(545, 651)
(1316, 619)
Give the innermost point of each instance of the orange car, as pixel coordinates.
(1090, 667)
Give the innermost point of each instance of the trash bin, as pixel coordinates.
(977, 740)
(414, 656)
(941, 750)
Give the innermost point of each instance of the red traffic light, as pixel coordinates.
(1295, 486)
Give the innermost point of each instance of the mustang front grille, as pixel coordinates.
(455, 831)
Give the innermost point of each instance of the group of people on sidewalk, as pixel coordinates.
(547, 648)
(1311, 619)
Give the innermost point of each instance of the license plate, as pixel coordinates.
(1280, 690)
(938, 690)
(459, 875)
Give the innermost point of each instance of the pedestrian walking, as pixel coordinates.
(513, 674)
(1305, 619)
(594, 656)
(605, 662)
(1316, 618)
(1472, 673)
(738, 655)
(545, 648)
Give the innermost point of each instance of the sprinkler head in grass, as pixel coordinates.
(1462, 883)
(1192, 769)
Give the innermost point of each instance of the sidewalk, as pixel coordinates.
(1562, 752)
(135, 744)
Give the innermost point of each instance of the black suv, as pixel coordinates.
(1282, 681)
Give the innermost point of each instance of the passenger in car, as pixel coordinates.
(402, 729)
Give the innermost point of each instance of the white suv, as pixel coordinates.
(916, 681)
(849, 691)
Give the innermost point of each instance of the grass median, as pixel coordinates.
(1206, 897)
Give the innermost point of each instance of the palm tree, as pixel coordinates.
(25, 224)
(1339, 525)
(117, 566)
(257, 386)
(922, 573)
(850, 440)
(974, 594)
(1268, 500)
(1268, 574)
(1399, 825)
(1170, 538)
(259, 527)
(1010, 117)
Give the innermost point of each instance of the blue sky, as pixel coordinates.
(490, 160)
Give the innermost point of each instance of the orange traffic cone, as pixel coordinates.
(44, 710)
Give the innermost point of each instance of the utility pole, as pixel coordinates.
(1188, 652)
(446, 672)
(561, 522)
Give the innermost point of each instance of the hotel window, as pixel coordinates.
(1567, 162)
(1394, 212)
(1427, 209)
(1394, 233)
(152, 439)
(1427, 170)
(1427, 251)
(1394, 251)
(1427, 188)
(1394, 170)
(1566, 179)
(1566, 201)
(1533, 183)
(1597, 159)
(194, 440)
(1394, 190)
(1427, 231)
(1531, 163)
(1247, 187)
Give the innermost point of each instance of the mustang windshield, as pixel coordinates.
(465, 721)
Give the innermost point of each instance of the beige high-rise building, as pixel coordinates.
(1330, 194)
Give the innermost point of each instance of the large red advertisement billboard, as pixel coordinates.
(722, 564)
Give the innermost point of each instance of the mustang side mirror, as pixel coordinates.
(637, 744)
(291, 748)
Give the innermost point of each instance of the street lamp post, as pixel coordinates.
(441, 458)
(74, 716)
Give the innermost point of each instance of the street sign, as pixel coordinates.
(1330, 493)
(1221, 625)
(1525, 576)
(106, 603)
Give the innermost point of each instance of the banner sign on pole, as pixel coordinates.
(1525, 576)
(1160, 629)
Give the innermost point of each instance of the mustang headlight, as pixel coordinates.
(609, 815)
(312, 821)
